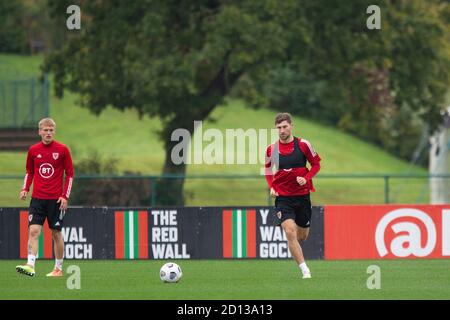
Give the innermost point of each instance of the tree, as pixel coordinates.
(170, 59)
(12, 35)
(179, 60)
(383, 85)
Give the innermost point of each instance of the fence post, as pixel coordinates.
(3, 95)
(15, 104)
(153, 191)
(32, 100)
(46, 89)
(386, 189)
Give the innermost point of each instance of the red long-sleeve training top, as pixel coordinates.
(46, 165)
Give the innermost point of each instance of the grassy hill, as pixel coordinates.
(134, 142)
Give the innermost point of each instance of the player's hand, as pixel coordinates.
(63, 205)
(273, 193)
(301, 181)
(23, 195)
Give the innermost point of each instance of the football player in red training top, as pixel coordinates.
(291, 185)
(47, 162)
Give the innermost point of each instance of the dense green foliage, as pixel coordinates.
(12, 35)
(179, 61)
(386, 86)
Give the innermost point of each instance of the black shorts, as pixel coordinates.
(45, 209)
(297, 208)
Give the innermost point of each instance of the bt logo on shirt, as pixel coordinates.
(46, 170)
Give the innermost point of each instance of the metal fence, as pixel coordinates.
(23, 102)
(229, 190)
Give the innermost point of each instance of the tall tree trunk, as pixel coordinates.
(169, 190)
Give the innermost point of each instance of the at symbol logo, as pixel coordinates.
(46, 170)
(409, 241)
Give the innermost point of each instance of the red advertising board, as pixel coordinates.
(387, 231)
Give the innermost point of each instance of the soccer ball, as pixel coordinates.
(170, 272)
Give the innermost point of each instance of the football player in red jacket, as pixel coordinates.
(47, 163)
(291, 185)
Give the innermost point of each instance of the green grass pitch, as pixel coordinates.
(232, 279)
